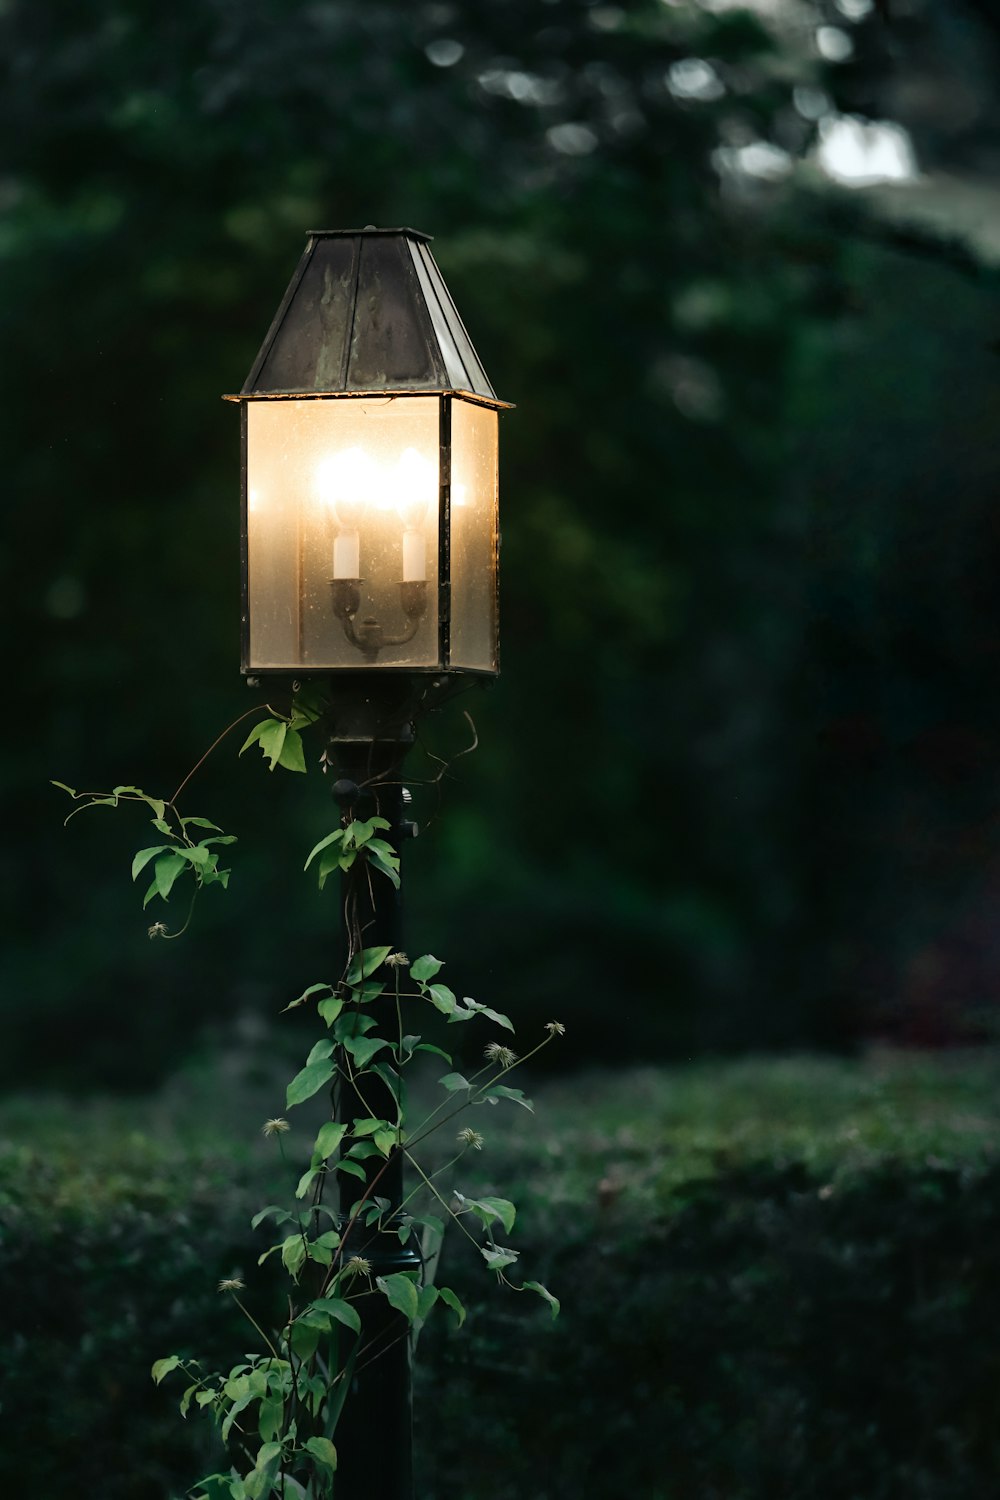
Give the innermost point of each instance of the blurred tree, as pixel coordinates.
(689, 326)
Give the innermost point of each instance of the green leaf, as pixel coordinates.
(352, 1168)
(454, 1081)
(365, 963)
(255, 734)
(353, 1024)
(381, 863)
(322, 1451)
(293, 1254)
(322, 1247)
(313, 989)
(370, 989)
(441, 996)
(401, 1292)
(63, 787)
(292, 756)
(426, 1299)
(497, 1258)
(320, 1052)
(368, 1127)
(215, 1487)
(270, 735)
(425, 967)
(270, 1418)
(384, 849)
(163, 1367)
(330, 1009)
(361, 831)
(305, 1339)
(307, 705)
(186, 1398)
(280, 1216)
(430, 1047)
(502, 1209)
(488, 1209)
(166, 871)
(536, 1286)
(450, 1299)
(341, 1310)
(329, 1138)
(306, 1181)
(493, 1015)
(198, 856)
(364, 1048)
(144, 856)
(330, 861)
(308, 1082)
(259, 1483)
(501, 1091)
(336, 837)
(363, 1150)
(389, 1077)
(161, 825)
(386, 1140)
(461, 1014)
(200, 823)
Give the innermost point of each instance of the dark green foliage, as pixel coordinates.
(93, 1292)
(761, 1339)
(162, 178)
(744, 429)
(777, 1279)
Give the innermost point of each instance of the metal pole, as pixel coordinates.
(374, 1436)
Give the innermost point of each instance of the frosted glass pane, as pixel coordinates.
(473, 536)
(346, 487)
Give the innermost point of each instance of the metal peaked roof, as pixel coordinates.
(367, 310)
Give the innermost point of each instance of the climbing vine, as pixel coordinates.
(279, 1407)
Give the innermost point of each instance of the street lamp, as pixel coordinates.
(370, 471)
(369, 441)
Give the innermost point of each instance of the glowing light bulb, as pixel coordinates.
(343, 482)
(416, 487)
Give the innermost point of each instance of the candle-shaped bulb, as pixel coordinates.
(416, 486)
(343, 482)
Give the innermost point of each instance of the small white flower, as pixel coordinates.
(231, 1284)
(275, 1127)
(472, 1138)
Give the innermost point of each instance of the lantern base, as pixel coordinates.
(368, 635)
(379, 707)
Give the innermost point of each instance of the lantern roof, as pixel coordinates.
(367, 311)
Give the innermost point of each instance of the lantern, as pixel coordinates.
(369, 434)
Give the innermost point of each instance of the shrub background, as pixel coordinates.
(813, 1318)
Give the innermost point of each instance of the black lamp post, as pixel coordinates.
(369, 440)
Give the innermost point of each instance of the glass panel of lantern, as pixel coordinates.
(342, 532)
(370, 474)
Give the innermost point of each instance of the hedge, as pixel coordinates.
(755, 1330)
